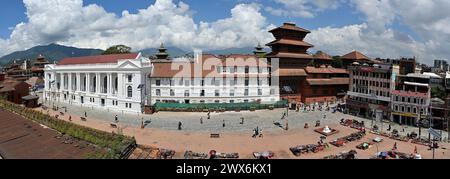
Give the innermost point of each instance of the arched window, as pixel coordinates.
(130, 91)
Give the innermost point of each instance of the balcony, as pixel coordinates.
(369, 96)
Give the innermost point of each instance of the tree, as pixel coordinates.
(117, 49)
(438, 92)
(337, 62)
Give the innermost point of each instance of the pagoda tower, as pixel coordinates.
(162, 53)
(289, 46)
(39, 65)
(259, 51)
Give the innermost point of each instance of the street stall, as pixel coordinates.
(216, 155)
(355, 124)
(263, 155)
(350, 138)
(304, 149)
(364, 145)
(30, 101)
(195, 155)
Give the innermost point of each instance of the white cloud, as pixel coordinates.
(376, 37)
(339, 41)
(68, 22)
(379, 13)
(302, 8)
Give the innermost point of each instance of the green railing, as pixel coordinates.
(202, 107)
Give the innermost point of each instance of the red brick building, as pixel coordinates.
(303, 77)
(2, 77)
(324, 84)
(14, 90)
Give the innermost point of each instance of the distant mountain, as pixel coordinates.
(177, 52)
(173, 52)
(52, 52)
(245, 50)
(55, 52)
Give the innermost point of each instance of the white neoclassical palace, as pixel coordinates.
(116, 82)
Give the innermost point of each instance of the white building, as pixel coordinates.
(447, 80)
(116, 82)
(212, 79)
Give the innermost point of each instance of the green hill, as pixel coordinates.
(52, 52)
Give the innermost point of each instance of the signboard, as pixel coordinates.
(404, 114)
(434, 133)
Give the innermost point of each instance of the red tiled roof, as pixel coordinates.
(97, 59)
(290, 26)
(291, 72)
(289, 55)
(323, 56)
(290, 42)
(164, 69)
(331, 81)
(325, 70)
(355, 55)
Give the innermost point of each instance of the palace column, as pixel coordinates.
(97, 80)
(110, 84)
(120, 84)
(88, 82)
(78, 82)
(63, 82)
(69, 86)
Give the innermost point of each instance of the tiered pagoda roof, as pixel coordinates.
(162, 53)
(289, 42)
(259, 51)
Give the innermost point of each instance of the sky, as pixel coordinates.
(377, 28)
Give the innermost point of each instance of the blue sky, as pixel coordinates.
(378, 28)
(13, 12)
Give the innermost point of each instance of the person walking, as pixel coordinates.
(70, 118)
(85, 114)
(242, 120)
(116, 119)
(223, 124)
(180, 125)
(201, 120)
